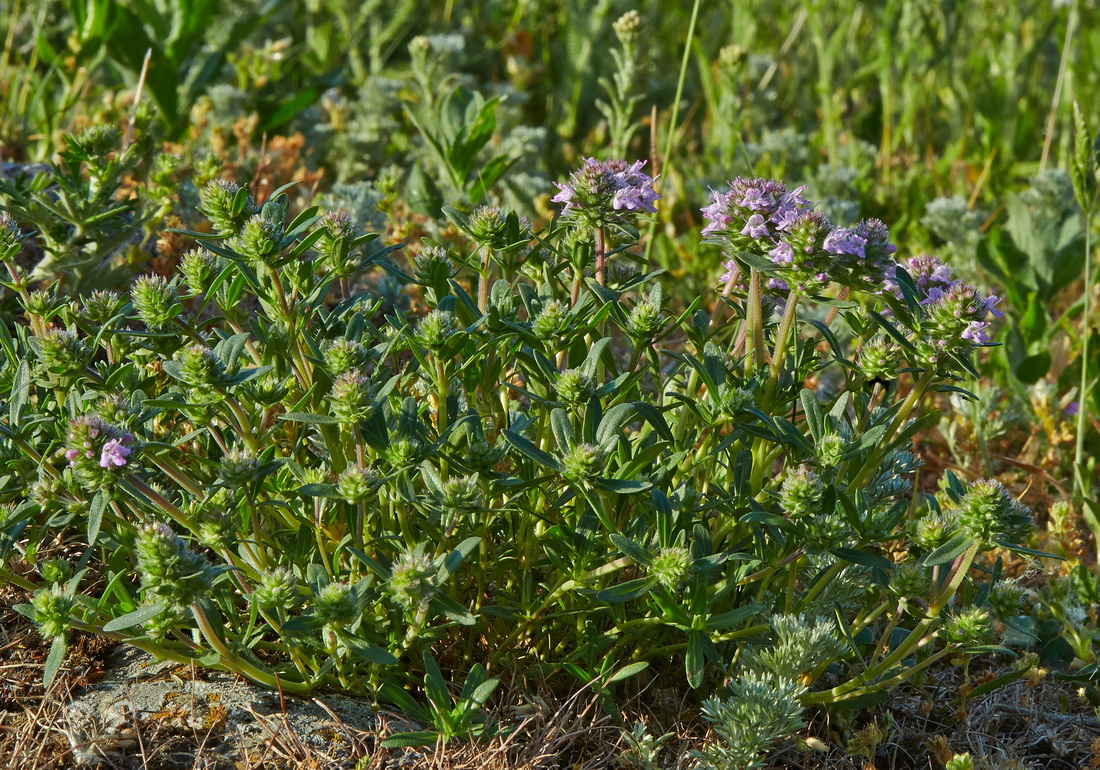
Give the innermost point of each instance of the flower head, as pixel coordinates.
(750, 210)
(600, 189)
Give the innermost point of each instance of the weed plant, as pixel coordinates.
(544, 472)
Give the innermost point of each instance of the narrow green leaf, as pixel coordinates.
(130, 619)
(54, 660)
(628, 671)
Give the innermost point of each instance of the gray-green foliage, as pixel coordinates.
(548, 465)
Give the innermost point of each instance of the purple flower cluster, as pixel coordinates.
(600, 190)
(92, 442)
(751, 210)
(954, 312)
(958, 314)
(761, 216)
(928, 272)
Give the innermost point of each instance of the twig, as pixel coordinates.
(137, 99)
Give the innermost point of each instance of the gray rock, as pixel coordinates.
(141, 700)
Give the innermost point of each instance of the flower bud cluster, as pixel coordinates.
(645, 319)
(357, 483)
(627, 26)
(909, 581)
(99, 307)
(404, 453)
(432, 263)
(412, 580)
(582, 463)
(990, 513)
(199, 268)
(220, 203)
(343, 355)
(800, 492)
(436, 329)
(490, 226)
(259, 239)
(831, 449)
(551, 321)
(336, 604)
(11, 237)
(156, 300)
(351, 398)
(970, 626)
(62, 351)
(460, 495)
(217, 530)
(482, 457)
(879, 359)
(277, 589)
(170, 571)
(53, 607)
(671, 567)
(1006, 598)
(932, 531)
(338, 232)
(202, 370)
(238, 467)
(574, 387)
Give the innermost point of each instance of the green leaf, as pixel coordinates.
(693, 660)
(628, 591)
(622, 486)
(629, 548)
(54, 660)
(130, 619)
(455, 558)
(95, 515)
(371, 653)
(856, 556)
(20, 393)
(815, 420)
(527, 448)
(484, 691)
(488, 176)
(435, 686)
(306, 417)
(999, 682)
(411, 740)
(864, 701)
(628, 671)
(733, 617)
(949, 550)
(1032, 368)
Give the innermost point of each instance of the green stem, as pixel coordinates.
(239, 665)
(914, 397)
(789, 314)
(666, 159)
(1083, 400)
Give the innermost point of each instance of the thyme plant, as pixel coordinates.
(547, 469)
